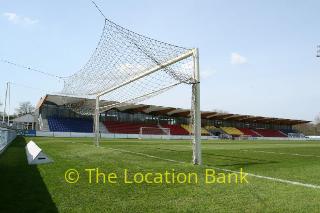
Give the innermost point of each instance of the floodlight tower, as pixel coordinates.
(6, 102)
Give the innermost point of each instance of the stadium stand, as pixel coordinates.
(214, 130)
(210, 128)
(250, 132)
(56, 116)
(270, 133)
(204, 131)
(57, 124)
(232, 131)
(188, 128)
(176, 129)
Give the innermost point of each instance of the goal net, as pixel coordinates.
(245, 137)
(127, 68)
(296, 135)
(154, 132)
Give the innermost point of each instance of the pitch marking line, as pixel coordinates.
(146, 155)
(281, 153)
(307, 185)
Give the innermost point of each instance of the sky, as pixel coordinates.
(256, 57)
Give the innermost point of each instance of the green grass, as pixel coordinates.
(42, 188)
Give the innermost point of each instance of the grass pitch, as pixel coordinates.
(281, 165)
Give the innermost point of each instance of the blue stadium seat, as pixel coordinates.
(70, 124)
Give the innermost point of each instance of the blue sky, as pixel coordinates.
(256, 57)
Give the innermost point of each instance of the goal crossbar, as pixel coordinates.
(149, 71)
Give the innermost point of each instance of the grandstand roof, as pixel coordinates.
(171, 111)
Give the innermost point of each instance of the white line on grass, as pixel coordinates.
(143, 154)
(281, 153)
(226, 170)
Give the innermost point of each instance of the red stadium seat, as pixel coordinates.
(176, 129)
(250, 132)
(126, 127)
(270, 133)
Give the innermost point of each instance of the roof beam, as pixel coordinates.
(206, 114)
(163, 111)
(176, 111)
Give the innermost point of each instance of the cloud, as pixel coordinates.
(207, 73)
(12, 17)
(236, 58)
(23, 20)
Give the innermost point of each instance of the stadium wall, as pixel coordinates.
(115, 135)
(137, 136)
(6, 137)
(280, 138)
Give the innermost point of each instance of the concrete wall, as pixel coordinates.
(6, 137)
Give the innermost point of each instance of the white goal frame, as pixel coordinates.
(245, 137)
(166, 131)
(295, 135)
(195, 109)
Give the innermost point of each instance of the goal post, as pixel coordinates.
(97, 121)
(195, 108)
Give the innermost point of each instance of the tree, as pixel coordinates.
(317, 119)
(25, 108)
(310, 128)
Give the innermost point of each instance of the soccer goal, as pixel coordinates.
(127, 68)
(245, 137)
(296, 135)
(154, 132)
